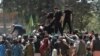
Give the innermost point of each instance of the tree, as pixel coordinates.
(95, 21)
(82, 12)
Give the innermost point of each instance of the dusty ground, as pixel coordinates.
(37, 54)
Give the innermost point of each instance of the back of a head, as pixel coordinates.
(50, 15)
(15, 41)
(96, 36)
(80, 37)
(55, 7)
(31, 38)
(75, 31)
(92, 32)
(25, 37)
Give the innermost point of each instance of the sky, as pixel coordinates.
(0, 1)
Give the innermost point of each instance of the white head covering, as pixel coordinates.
(54, 52)
(19, 36)
(41, 27)
(64, 40)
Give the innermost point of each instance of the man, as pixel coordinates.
(49, 28)
(29, 50)
(67, 18)
(64, 47)
(2, 47)
(56, 21)
(82, 47)
(16, 48)
(49, 17)
(18, 30)
(44, 45)
(43, 17)
(96, 46)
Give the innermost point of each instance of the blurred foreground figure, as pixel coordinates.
(29, 50)
(16, 48)
(54, 52)
(2, 47)
(96, 46)
(44, 45)
(18, 30)
(82, 47)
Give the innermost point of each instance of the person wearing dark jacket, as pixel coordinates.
(2, 47)
(56, 21)
(96, 46)
(48, 27)
(67, 19)
(18, 29)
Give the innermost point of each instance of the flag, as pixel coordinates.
(30, 25)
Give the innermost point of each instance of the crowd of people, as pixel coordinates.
(75, 44)
(50, 39)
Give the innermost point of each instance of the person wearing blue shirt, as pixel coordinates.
(2, 47)
(16, 49)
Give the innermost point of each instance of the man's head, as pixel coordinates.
(75, 31)
(31, 38)
(13, 25)
(67, 7)
(15, 41)
(56, 9)
(25, 37)
(97, 36)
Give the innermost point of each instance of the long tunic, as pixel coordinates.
(16, 50)
(29, 50)
(96, 48)
(2, 50)
(44, 46)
